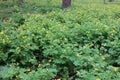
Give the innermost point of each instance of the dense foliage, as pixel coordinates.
(80, 43)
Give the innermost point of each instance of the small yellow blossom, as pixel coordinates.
(47, 35)
(47, 69)
(1, 32)
(24, 37)
(58, 79)
(104, 44)
(17, 76)
(113, 31)
(85, 46)
(65, 39)
(96, 69)
(106, 27)
(38, 15)
(88, 32)
(98, 79)
(91, 58)
(33, 35)
(3, 41)
(103, 66)
(91, 44)
(115, 69)
(43, 28)
(78, 73)
(49, 60)
(28, 44)
(78, 55)
(12, 64)
(28, 70)
(103, 58)
(39, 65)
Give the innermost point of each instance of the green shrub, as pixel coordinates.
(68, 44)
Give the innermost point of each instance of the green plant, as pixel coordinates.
(75, 44)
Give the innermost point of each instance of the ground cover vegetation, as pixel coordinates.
(44, 42)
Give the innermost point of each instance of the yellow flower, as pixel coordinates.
(1, 32)
(98, 79)
(104, 44)
(39, 65)
(28, 44)
(58, 79)
(13, 64)
(78, 55)
(17, 76)
(106, 27)
(88, 32)
(91, 44)
(24, 37)
(113, 31)
(33, 35)
(28, 70)
(49, 60)
(96, 69)
(85, 46)
(65, 39)
(115, 69)
(47, 69)
(47, 35)
(78, 73)
(91, 58)
(3, 41)
(102, 66)
(18, 48)
(38, 15)
(43, 28)
(103, 58)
